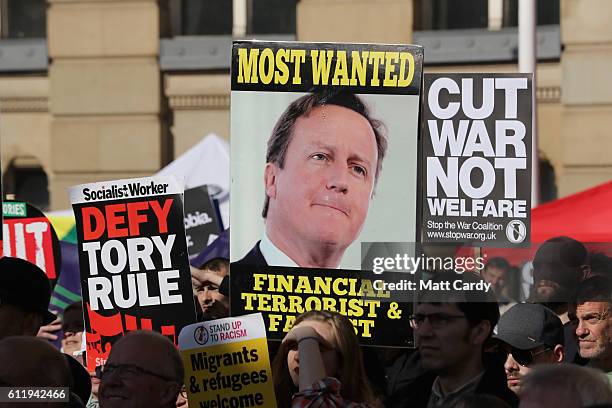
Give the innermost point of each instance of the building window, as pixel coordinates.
(491, 14)
(28, 182)
(548, 184)
(548, 12)
(206, 17)
(232, 17)
(450, 14)
(23, 19)
(271, 16)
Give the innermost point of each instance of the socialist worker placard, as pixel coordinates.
(133, 260)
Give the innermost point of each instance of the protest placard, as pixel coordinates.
(133, 260)
(323, 150)
(227, 363)
(1, 201)
(477, 159)
(29, 235)
(201, 223)
(378, 305)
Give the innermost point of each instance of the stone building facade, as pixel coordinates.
(118, 88)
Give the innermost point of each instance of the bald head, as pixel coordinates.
(38, 362)
(160, 355)
(144, 369)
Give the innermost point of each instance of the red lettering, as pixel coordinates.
(134, 218)
(162, 214)
(88, 232)
(113, 221)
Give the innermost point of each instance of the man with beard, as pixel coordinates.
(559, 265)
(497, 272)
(529, 335)
(452, 328)
(593, 311)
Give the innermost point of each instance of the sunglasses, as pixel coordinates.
(525, 357)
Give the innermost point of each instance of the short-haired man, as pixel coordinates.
(323, 160)
(567, 386)
(24, 297)
(451, 329)
(496, 273)
(559, 265)
(29, 362)
(593, 313)
(211, 284)
(530, 334)
(144, 369)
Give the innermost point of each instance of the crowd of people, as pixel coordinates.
(551, 349)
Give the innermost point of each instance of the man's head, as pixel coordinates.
(558, 266)
(214, 304)
(496, 273)
(593, 311)
(600, 264)
(567, 386)
(24, 297)
(28, 361)
(452, 326)
(530, 334)
(323, 160)
(144, 369)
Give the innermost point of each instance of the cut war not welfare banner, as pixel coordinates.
(477, 159)
(133, 260)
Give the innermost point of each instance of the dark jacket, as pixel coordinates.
(254, 257)
(417, 393)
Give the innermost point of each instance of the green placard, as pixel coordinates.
(14, 209)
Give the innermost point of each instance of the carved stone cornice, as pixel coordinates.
(199, 102)
(24, 104)
(548, 94)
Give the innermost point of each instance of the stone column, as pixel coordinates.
(104, 91)
(586, 129)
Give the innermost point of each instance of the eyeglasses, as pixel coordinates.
(436, 320)
(525, 357)
(126, 371)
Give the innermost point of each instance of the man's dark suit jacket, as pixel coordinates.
(253, 257)
(371, 360)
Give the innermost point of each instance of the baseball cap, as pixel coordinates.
(560, 260)
(528, 325)
(26, 286)
(219, 248)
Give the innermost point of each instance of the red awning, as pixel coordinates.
(585, 216)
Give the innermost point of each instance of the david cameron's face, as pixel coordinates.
(323, 192)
